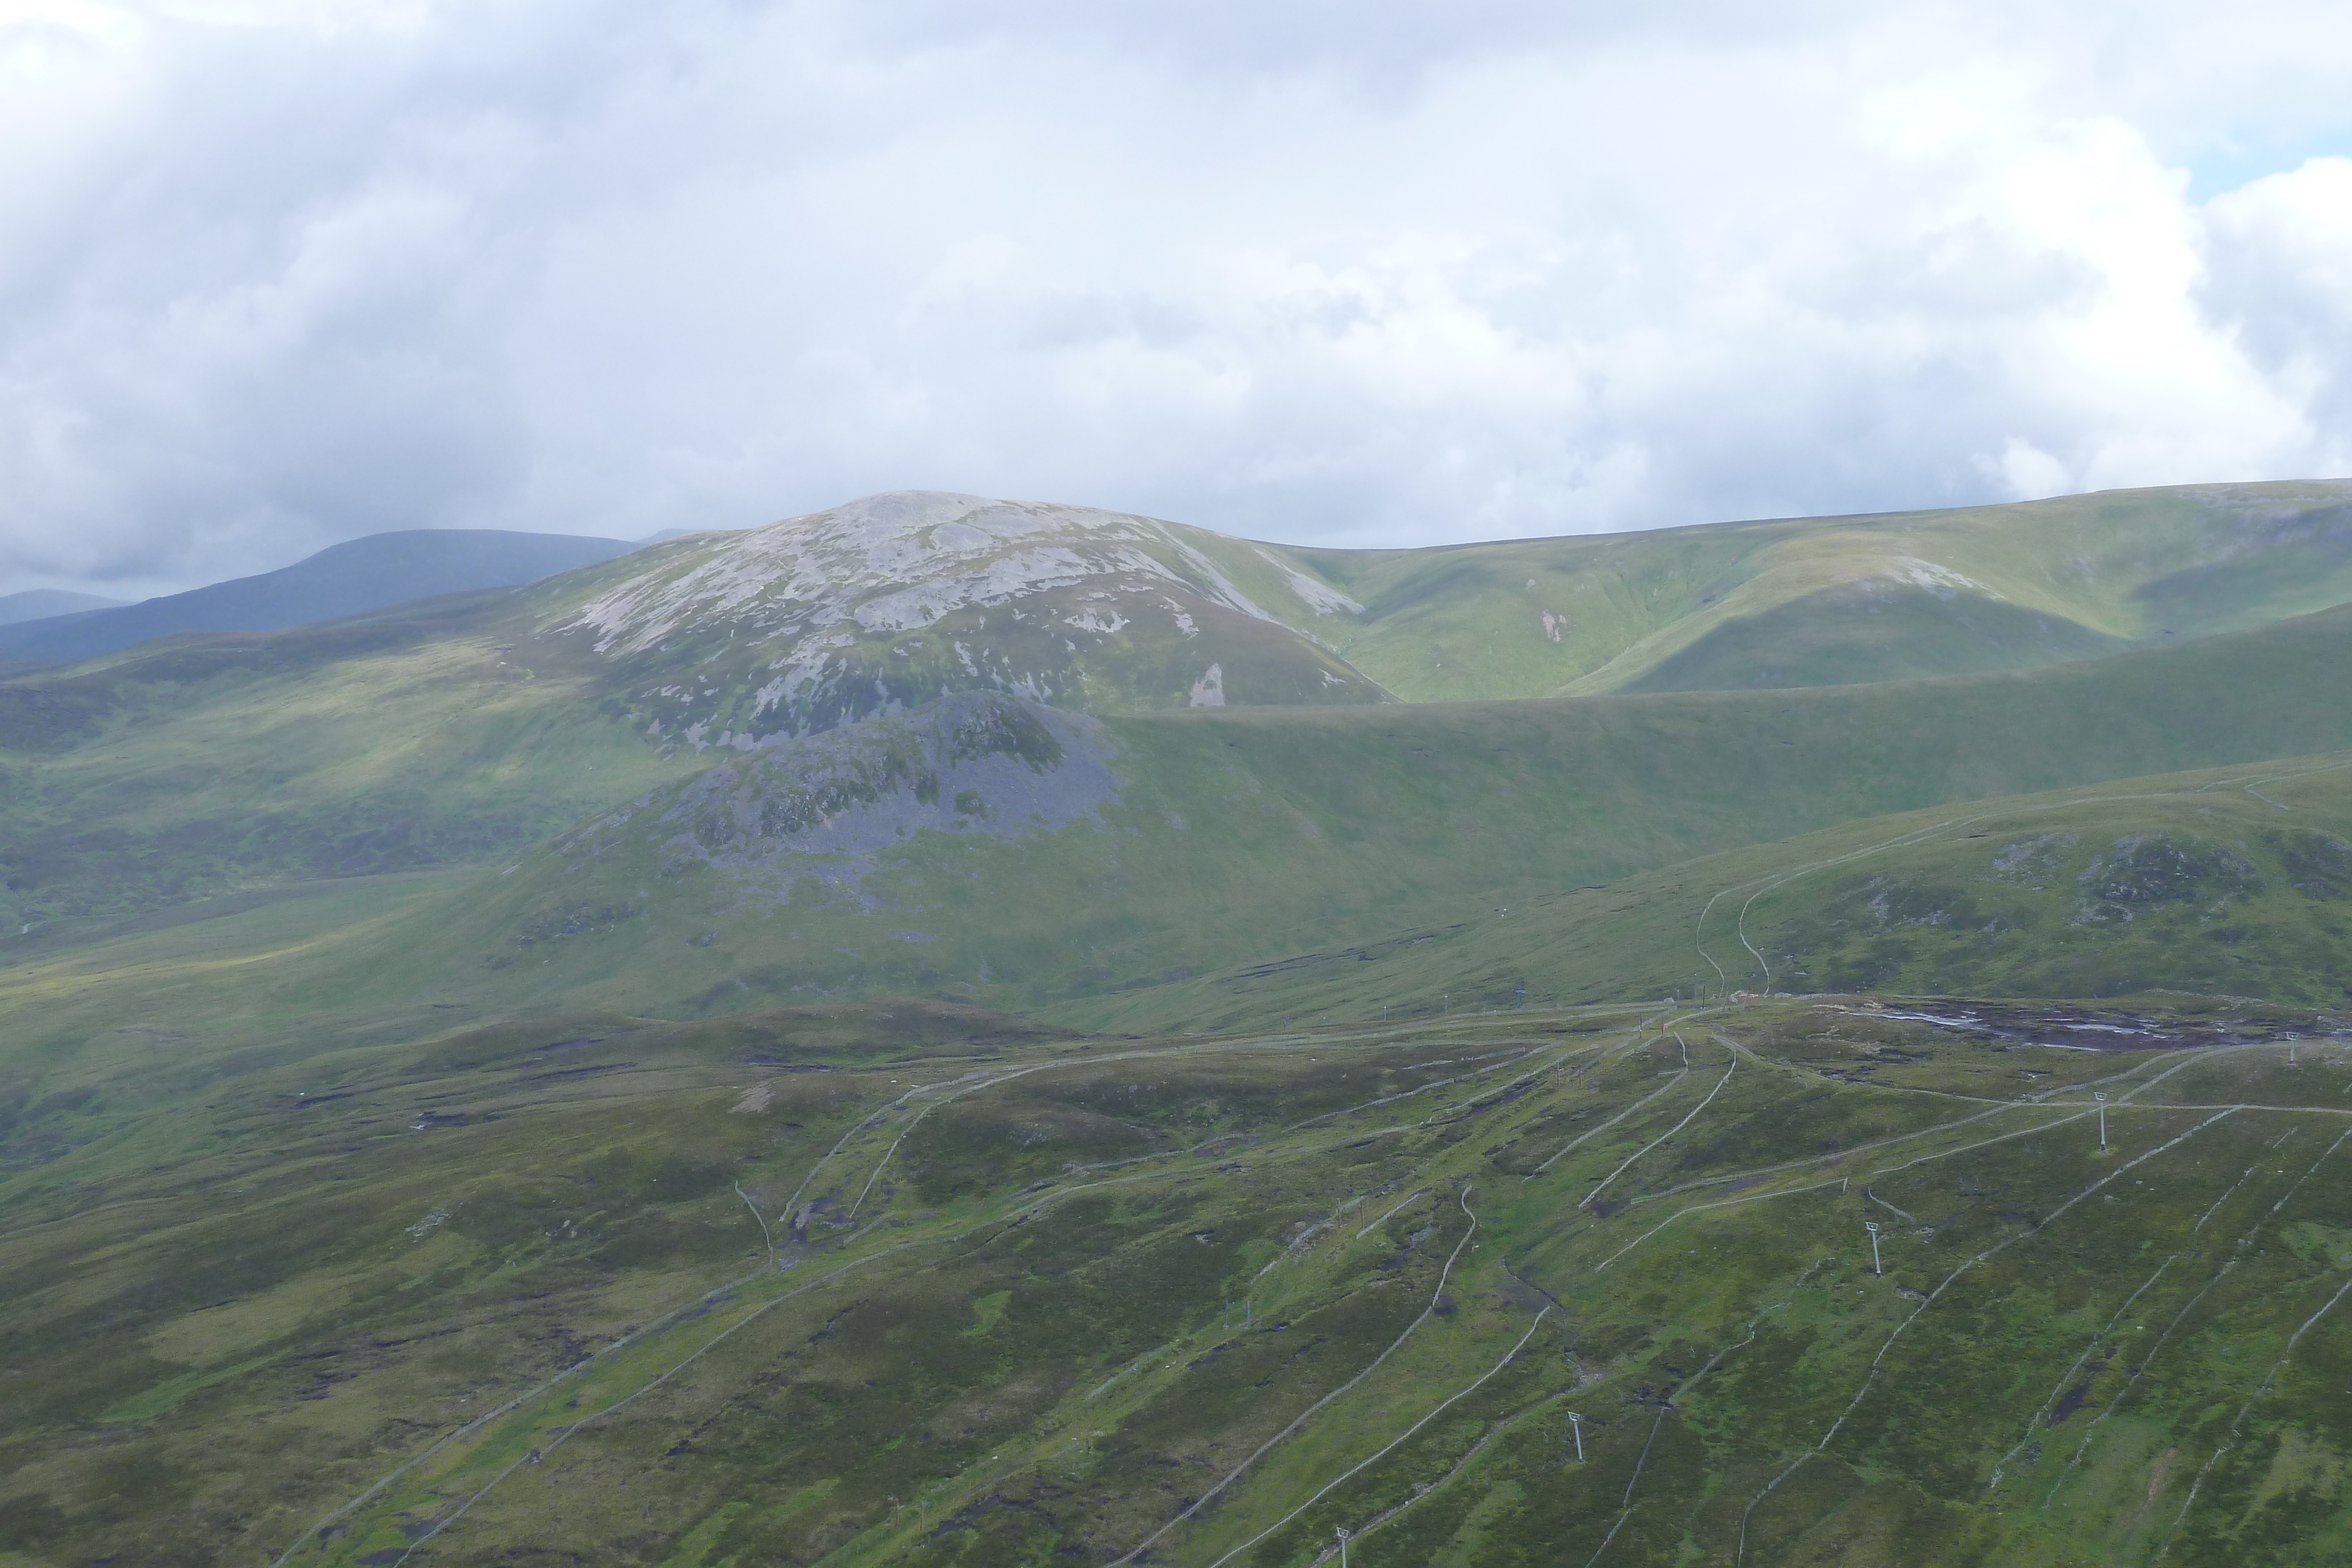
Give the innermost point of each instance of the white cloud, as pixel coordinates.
(284, 273)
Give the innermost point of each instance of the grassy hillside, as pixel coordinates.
(905, 1286)
(1032, 857)
(224, 762)
(455, 731)
(2229, 881)
(1176, 845)
(1822, 600)
(466, 1100)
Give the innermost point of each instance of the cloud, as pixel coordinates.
(1356, 273)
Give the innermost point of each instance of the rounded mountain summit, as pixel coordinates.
(885, 603)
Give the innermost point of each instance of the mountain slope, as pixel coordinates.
(449, 1187)
(223, 761)
(1013, 855)
(2232, 882)
(908, 1284)
(348, 579)
(1830, 600)
(464, 728)
(418, 738)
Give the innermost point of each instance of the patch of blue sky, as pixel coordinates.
(2238, 161)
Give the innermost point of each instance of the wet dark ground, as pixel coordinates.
(2112, 1029)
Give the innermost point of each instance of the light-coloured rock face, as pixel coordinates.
(885, 602)
(901, 561)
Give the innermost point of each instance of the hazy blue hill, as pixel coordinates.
(42, 603)
(348, 579)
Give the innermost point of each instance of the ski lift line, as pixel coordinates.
(2305, 1176)
(1393, 1213)
(1626, 1512)
(1869, 1378)
(2230, 1192)
(1898, 1213)
(599, 1414)
(1666, 1089)
(2147, 1362)
(663, 1320)
(2230, 1437)
(1508, 1356)
(2058, 1389)
(1231, 1475)
(985, 1082)
(1409, 1094)
(855, 1128)
(1764, 1171)
(528, 1395)
(1876, 1361)
(1979, 1143)
(1382, 1520)
(2089, 1432)
(1694, 1209)
(1137, 1365)
(2220, 1105)
(1665, 1137)
(2188, 1060)
(991, 1082)
(1474, 1104)
(1663, 1407)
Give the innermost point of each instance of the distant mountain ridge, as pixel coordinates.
(1810, 602)
(41, 603)
(348, 579)
(886, 602)
(465, 727)
(883, 603)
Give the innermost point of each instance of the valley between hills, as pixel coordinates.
(954, 1032)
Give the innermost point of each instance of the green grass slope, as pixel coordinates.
(1828, 600)
(1134, 850)
(1019, 857)
(454, 731)
(2228, 882)
(922, 1287)
(218, 762)
(1871, 632)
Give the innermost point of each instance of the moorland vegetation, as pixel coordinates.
(967, 1032)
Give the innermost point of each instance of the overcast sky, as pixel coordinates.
(1340, 271)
